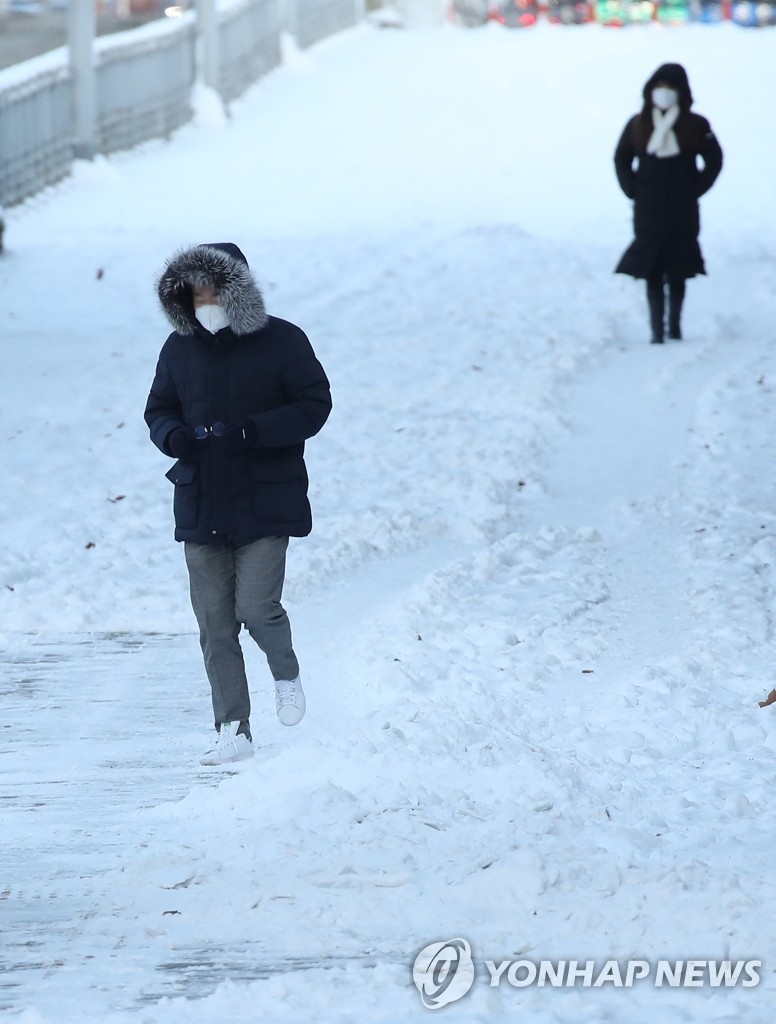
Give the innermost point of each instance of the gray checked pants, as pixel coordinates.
(231, 586)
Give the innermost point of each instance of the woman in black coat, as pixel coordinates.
(656, 161)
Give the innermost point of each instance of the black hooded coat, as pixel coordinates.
(259, 368)
(665, 190)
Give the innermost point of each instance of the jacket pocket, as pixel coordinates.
(185, 504)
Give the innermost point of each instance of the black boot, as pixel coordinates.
(657, 306)
(675, 300)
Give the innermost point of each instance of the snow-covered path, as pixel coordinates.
(612, 762)
(536, 613)
(635, 416)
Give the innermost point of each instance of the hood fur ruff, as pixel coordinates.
(223, 266)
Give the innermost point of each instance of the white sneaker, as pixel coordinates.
(229, 746)
(289, 700)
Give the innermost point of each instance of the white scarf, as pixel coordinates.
(662, 141)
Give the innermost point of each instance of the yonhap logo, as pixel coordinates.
(443, 972)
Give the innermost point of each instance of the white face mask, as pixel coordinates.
(212, 318)
(664, 98)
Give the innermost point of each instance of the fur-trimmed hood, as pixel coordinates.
(222, 265)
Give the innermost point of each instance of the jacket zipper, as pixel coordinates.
(207, 483)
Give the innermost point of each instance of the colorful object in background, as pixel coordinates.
(512, 13)
(618, 13)
(754, 13)
(613, 13)
(517, 13)
(570, 12)
(674, 12)
(708, 12)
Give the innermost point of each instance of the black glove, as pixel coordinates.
(182, 443)
(240, 437)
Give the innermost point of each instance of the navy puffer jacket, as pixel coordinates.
(260, 367)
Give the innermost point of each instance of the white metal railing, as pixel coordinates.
(142, 84)
(143, 89)
(316, 19)
(248, 45)
(36, 134)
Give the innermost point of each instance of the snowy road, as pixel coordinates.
(536, 613)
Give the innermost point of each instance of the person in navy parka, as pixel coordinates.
(656, 161)
(235, 396)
